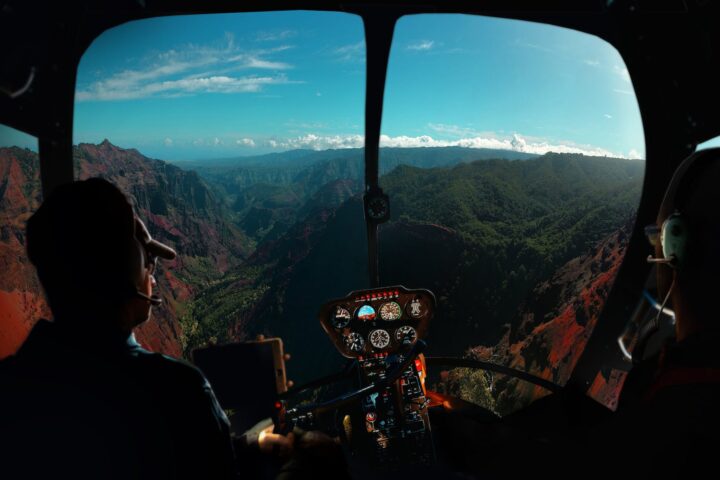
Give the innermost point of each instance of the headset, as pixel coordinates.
(675, 233)
(673, 242)
(144, 259)
(146, 252)
(675, 239)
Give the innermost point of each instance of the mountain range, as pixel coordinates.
(505, 240)
(177, 206)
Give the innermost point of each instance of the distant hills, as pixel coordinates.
(505, 240)
(391, 157)
(264, 192)
(480, 234)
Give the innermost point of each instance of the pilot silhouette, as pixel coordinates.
(81, 398)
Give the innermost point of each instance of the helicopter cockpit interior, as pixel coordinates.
(436, 209)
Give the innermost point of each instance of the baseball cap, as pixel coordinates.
(155, 248)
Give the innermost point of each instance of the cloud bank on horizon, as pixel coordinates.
(313, 141)
(205, 86)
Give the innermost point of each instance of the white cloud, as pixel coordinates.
(246, 142)
(351, 52)
(273, 36)
(257, 63)
(635, 154)
(515, 142)
(217, 142)
(183, 86)
(591, 63)
(254, 62)
(318, 142)
(524, 44)
(168, 142)
(318, 94)
(622, 72)
(623, 92)
(607, 115)
(191, 69)
(421, 45)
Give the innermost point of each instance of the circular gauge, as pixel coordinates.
(390, 311)
(354, 342)
(406, 335)
(379, 338)
(366, 313)
(415, 308)
(378, 208)
(341, 318)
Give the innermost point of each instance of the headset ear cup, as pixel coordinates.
(674, 239)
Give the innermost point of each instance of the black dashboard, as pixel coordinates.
(377, 322)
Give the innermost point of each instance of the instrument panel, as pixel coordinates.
(377, 321)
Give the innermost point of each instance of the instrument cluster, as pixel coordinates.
(377, 321)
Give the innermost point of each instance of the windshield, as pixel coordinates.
(512, 154)
(245, 114)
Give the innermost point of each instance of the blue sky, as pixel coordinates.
(207, 86)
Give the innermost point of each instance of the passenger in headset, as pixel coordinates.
(81, 398)
(669, 414)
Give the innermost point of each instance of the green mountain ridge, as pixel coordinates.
(481, 235)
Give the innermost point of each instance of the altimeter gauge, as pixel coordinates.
(354, 342)
(390, 311)
(379, 338)
(406, 335)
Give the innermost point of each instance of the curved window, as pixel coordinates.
(512, 155)
(712, 143)
(22, 301)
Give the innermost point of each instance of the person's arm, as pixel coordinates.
(209, 449)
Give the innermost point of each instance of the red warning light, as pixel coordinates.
(418, 365)
(278, 405)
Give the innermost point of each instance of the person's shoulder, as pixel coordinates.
(171, 370)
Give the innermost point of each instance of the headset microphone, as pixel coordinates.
(662, 261)
(153, 299)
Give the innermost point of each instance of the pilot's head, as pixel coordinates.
(94, 256)
(689, 217)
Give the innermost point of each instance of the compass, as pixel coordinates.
(377, 206)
